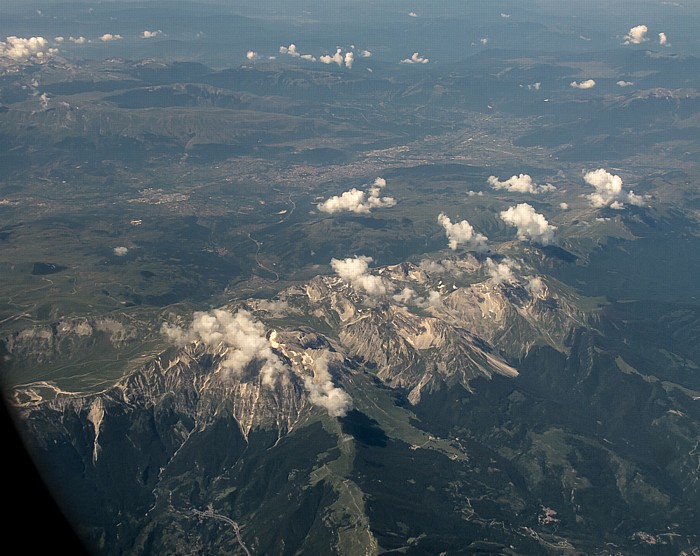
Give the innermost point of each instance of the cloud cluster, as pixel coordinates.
(636, 35)
(120, 251)
(409, 296)
(292, 51)
(243, 337)
(415, 59)
(77, 40)
(663, 39)
(521, 183)
(32, 49)
(531, 225)
(355, 271)
(608, 190)
(357, 201)
(108, 37)
(151, 34)
(251, 55)
(623, 83)
(339, 58)
(322, 391)
(461, 233)
(586, 84)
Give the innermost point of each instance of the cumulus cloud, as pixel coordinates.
(59, 39)
(349, 59)
(608, 190)
(355, 271)
(415, 59)
(461, 233)
(531, 225)
(243, 338)
(501, 272)
(358, 201)
(484, 41)
(586, 84)
(636, 35)
(32, 49)
(623, 83)
(504, 15)
(336, 58)
(120, 251)
(365, 54)
(251, 55)
(521, 183)
(409, 296)
(564, 206)
(151, 34)
(107, 37)
(322, 391)
(77, 40)
(291, 50)
(412, 14)
(534, 86)
(663, 40)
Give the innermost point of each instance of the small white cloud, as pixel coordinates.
(504, 15)
(337, 58)
(415, 59)
(291, 50)
(251, 55)
(59, 39)
(151, 34)
(108, 37)
(355, 271)
(531, 225)
(623, 83)
(536, 286)
(120, 251)
(484, 41)
(412, 14)
(77, 40)
(636, 35)
(564, 206)
(519, 184)
(663, 40)
(349, 59)
(365, 54)
(608, 190)
(461, 233)
(406, 295)
(501, 272)
(357, 201)
(322, 391)
(471, 193)
(587, 84)
(534, 86)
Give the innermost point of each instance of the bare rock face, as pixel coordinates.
(49, 343)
